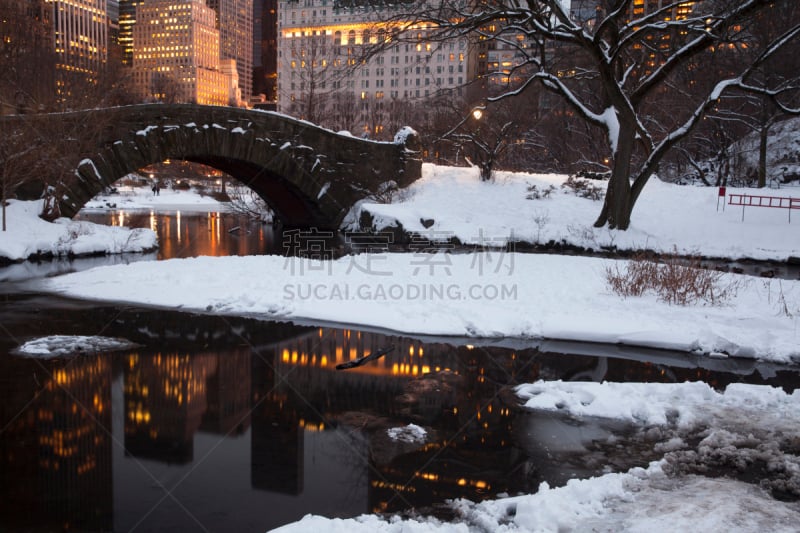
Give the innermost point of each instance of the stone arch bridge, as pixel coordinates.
(310, 176)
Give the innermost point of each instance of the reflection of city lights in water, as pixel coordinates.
(346, 347)
(178, 219)
(311, 426)
(121, 218)
(153, 224)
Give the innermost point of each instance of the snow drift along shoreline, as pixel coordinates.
(487, 294)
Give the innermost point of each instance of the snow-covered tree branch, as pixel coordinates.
(646, 75)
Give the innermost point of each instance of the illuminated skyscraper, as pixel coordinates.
(80, 28)
(235, 24)
(265, 49)
(127, 18)
(176, 54)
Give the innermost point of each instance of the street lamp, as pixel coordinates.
(477, 113)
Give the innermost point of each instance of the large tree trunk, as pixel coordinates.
(619, 200)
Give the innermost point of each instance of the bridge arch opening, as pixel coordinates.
(288, 204)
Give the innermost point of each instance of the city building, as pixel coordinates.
(265, 52)
(322, 73)
(235, 25)
(177, 55)
(126, 19)
(80, 29)
(112, 12)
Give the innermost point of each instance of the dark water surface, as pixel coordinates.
(234, 424)
(229, 424)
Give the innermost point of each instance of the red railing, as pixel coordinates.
(751, 200)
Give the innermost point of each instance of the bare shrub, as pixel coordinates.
(534, 193)
(635, 279)
(583, 188)
(583, 235)
(674, 280)
(786, 307)
(245, 202)
(540, 218)
(386, 192)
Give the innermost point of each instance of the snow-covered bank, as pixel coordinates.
(667, 218)
(71, 345)
(167, 199)
(489, 294)
(28, 235)
(640, 500)
(692, 427)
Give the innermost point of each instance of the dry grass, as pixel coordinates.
(673, 280)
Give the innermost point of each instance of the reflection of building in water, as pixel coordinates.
(276, 434)
(472, 453)
(454, 389)
(58, 451)
(228, 395)
(300, 360)
(165, 398)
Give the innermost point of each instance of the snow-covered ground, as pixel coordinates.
(486, 294)
(667, 218)
(28, 235)
(493, 293)
(128, 197)
(692, 426)
(691, 429)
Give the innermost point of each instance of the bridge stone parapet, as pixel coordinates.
(310, 176)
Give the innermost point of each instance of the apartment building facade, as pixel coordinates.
(322, 67)
(80, 30)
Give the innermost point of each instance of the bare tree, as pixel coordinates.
(18, 160)
(38, 156)
(27, 57)
(780, 73)
(165, 88)
(343, 110)
(629, 61)
(484, 135)
(315, 76)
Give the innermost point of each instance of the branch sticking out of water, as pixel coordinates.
(367, 358)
